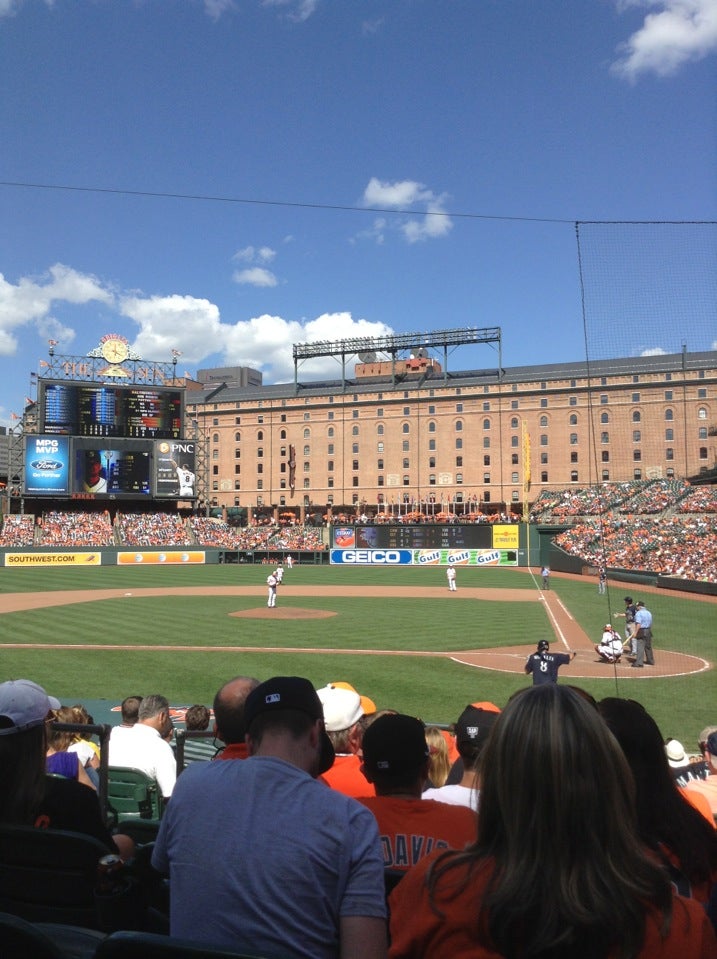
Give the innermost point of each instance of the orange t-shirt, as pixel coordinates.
(417, 932)
(345, 776)
(411, 828)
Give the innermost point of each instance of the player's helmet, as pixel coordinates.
(543, 646)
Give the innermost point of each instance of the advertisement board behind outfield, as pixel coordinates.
(424, 557)
(372, 557)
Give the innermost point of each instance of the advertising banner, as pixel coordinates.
(165, 557)
(465, 557)
(47, 465)
(372, 557)
(53, 559)
(175, 469)
(505, 537)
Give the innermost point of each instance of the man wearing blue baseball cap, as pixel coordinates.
(265, 859)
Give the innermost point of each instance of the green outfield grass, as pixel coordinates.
(433, 687)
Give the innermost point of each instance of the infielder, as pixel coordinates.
(451, 577)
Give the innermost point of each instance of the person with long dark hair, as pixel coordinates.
(557, 869)
(28, 796)
(667, 822)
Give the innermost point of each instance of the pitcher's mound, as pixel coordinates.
(283, 612)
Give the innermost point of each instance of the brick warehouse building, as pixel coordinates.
(405, 431)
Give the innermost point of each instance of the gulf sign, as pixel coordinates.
(488, 557)
(428, 557)
(372, 557)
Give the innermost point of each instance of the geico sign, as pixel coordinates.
(394, 557)
(372, 556)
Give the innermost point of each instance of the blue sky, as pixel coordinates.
(409, 165)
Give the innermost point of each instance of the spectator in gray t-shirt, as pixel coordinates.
(264, 859)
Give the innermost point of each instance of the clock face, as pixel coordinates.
(115, 350)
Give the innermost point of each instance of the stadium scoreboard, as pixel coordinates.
(109, 441)
(89, 409)
(425, 536)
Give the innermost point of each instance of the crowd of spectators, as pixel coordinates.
(671, 546)
(298, 538)
(18, 530)
(639, 497)
(213, 532)
(560, 506)
(699, 499)
(358, 778)
(75, 529)
(655, 497)
(153, 529)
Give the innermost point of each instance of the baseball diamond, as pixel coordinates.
(508, 659)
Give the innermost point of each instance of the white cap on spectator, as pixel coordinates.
(342, 707)
(675, 752)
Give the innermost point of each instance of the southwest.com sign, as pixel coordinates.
(53, 559)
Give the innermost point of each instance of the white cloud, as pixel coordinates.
(50, 328)
(264, 342)
(678, 32)
(192, 325)
(402, 195)
(255, 276)
(252, 254)
(186, 323)
(215, 8)
(31, 299)
(299, 10)
(369, 27)
(654, 351)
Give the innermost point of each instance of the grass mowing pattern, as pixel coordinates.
(435, 689)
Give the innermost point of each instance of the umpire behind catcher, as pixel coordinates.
(544, 665)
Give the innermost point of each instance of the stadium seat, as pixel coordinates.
(134, 802)
(19, 939)
(49, 875)
(147, 945)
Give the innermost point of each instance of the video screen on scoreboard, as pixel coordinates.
(175, 469)
(84, 409)
(121, 468)
(424, 536)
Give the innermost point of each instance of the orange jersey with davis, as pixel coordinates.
(411, 828)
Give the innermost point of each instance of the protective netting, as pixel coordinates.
(649, 289)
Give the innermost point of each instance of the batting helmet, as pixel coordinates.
(543, 646)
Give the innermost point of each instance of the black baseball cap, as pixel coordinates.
(628, 599)
(290, 692)
(395, 744)
(473, 727)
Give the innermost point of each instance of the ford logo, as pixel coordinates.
(46, 465)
